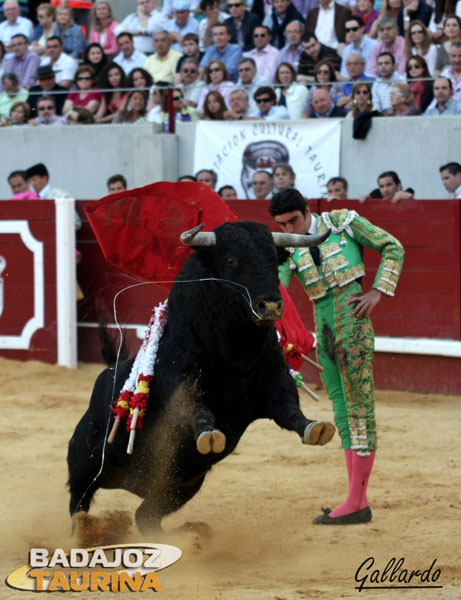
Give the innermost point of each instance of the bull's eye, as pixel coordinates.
(231, 261)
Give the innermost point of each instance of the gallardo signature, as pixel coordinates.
(394, 576)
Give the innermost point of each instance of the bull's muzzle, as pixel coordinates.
(268, 310)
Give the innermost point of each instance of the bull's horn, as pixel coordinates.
(295, 240)
(193, 237)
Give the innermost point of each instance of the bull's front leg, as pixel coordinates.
(208, 438)
(283, 407)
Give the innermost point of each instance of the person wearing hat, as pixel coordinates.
(182, 23)
(47, 86)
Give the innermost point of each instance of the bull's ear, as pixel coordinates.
(282, 255)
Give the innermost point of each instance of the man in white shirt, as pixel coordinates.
(264, 55)
(129, 58)
(381, 91)
(328, 23)
(142, 25)
(451, 178)
(14, 24)
(63, 65)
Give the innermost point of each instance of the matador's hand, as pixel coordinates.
(365, 304)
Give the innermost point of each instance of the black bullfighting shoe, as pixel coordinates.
(318, 434)
(211, 441)
(355, 518)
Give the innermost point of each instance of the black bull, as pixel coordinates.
(219, 367)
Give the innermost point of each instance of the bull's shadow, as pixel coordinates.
(219, 367)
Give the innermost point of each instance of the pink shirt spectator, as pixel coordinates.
(92, 95)
(26, 196)
(398, 52)
(266, 61)
(109, 44)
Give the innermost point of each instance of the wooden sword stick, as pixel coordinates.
(312, 363)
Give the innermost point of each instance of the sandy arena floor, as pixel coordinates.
(258, 504)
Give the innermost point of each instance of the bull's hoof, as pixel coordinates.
(318, 434)
(211, 441)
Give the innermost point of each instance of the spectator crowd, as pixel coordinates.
(227, 60)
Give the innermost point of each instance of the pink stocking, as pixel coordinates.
(360, 474)
(348, 456)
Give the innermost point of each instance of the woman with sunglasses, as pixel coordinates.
(215, 107)
(418, 43)
(325, 77)
(422, 90)
(182, 113)
(452, 31)
(86, 95)
(289, 93)
(219, 80)
(361, 99)
(112, 78)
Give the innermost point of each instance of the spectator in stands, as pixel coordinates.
(241, 24)
(265, 99)
(46, 85)
(187, 178)
(337, 189)
(64, 66)
(389, 42)
(451, 178)
(129, 58)
(135, 111)
(367, 13)
(289, 93)
(282, 13)
(94, 57)
(11, 93)
(162, 64)
(283, 177)
(24, 63)
(314, 52)
(418, 43)
(261, 184)
(445, 104)
(2, 60)
(80, 115)
(239, 105)
(112, 78)
(413, 10)
(208, 177)
(442, 10)
(389, 8)
(19, 115)
(361, 99)
(324, 106)
(157, 94)
(103, 28)
(14, 23)
(142, 25)
(357, 43)
(222, 49)
(46, 111)
(383, 84)
(191, 50)
(219, 80)
(214, 107)
(17, 181)
(70, 33)
(389, 188)
(325, 77)
(422, 90)
(81, 10)
(182, 23)
(86, 95)
(45, 15)
(227, 192)
(355, 66)
(213, 16)
(452, 31)
(402, 101)
(39, 179)
(453, 72)
(189, 83)
(182, 113)
(264, 54)
(249, 79)
(116, 183)
(139, 78)
(321, 18)
(291, 52)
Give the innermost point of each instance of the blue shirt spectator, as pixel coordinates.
(223, 50)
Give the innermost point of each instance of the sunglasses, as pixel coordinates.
(362, 93)
(258, 35)
(234, 5)
(260, 100)
(413, 31)
(214, 69)
(177, 98)
(84, 78)
(352, 28)
(324, 71)
(410, 67)
(189, 70)
(46, 107)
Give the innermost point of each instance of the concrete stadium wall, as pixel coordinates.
(81, 158)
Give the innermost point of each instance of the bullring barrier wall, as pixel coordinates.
(81, 158)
